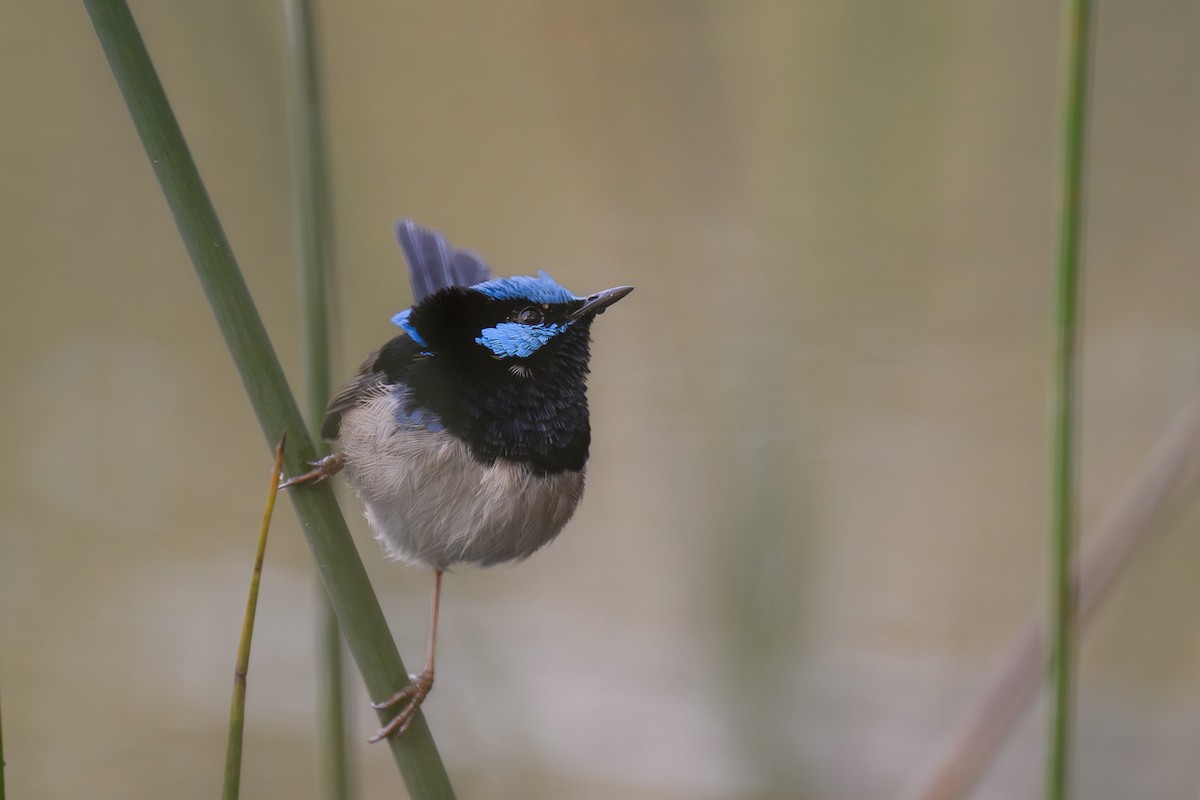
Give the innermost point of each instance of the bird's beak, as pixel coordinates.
(596, 303)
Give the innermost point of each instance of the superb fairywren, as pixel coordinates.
(466, 436)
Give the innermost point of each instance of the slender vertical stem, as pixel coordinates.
(313, 228)
(1061, 624)
(346, 582)
(241, 670)
(1, 759)
(1149, 497)
(333, 741)
(313, 232)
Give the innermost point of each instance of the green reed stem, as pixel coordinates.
(1061, 626)
(314, 235)
(346, 583)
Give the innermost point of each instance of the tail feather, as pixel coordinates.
(433, 264)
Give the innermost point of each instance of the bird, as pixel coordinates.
(466, 436)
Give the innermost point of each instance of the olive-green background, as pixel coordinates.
(816, 506)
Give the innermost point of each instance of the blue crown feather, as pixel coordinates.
(541, 289)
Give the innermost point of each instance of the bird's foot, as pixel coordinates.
(411, 696)
(321, 469)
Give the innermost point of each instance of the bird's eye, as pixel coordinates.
(529, 316)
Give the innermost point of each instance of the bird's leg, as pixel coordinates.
(419, 685)
(321, 469)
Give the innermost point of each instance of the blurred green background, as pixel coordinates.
(816, 503)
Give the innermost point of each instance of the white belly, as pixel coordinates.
(431, 503)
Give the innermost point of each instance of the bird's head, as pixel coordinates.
(527, 327)
(501, 363)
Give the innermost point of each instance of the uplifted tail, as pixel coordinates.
(433, 264)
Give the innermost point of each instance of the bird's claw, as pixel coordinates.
(322, 469)
(411, 696)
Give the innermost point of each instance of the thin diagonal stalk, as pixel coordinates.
(241, 671)
(313, 233)
(1061, 625)
(362, 621)
(1170, 475)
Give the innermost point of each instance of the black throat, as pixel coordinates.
(532, 410)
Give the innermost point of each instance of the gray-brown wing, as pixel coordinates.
(366, 381)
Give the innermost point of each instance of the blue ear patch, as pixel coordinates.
(541, 289)
(401, 319)
(514, 340)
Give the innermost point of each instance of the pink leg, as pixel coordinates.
(418, 689)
